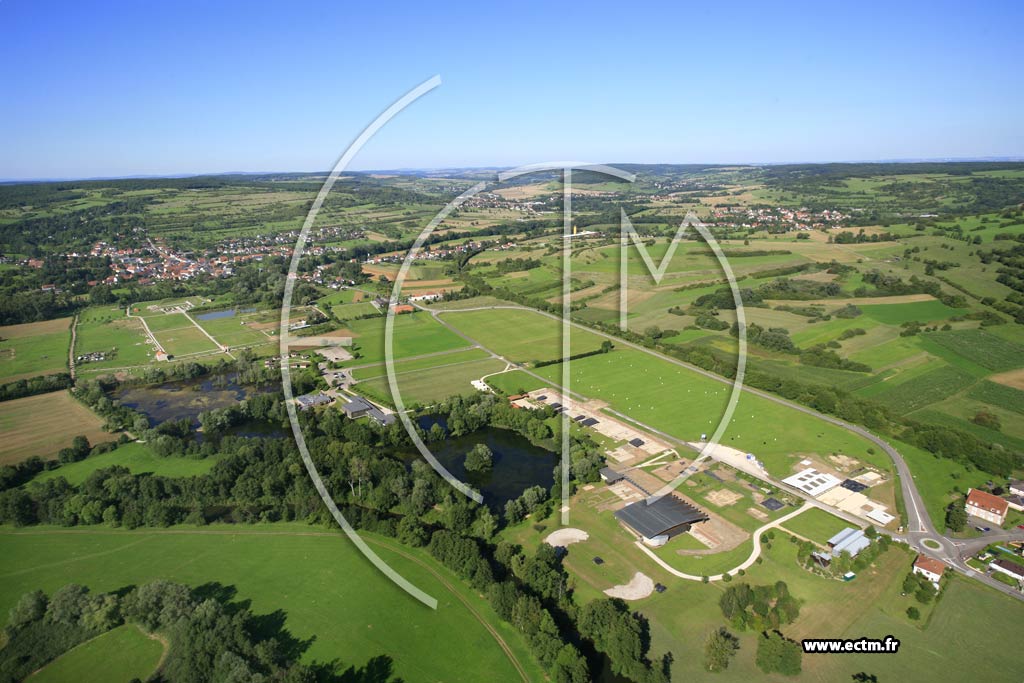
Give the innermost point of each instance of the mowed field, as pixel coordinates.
(137, 457)
(414, 334)
(329, 593)
(43, 424)
(122, 654)
(432, 384)
(519, 335)
(33, 349)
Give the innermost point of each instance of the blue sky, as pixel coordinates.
(109, 89)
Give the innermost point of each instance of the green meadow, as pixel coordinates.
(519, 335)
(137, 457)
(414, 334)
(122, 654)
(817, 525)
(33, 349)
(329, 593)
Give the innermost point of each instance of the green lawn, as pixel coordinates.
(685, 404)
(816, 525)
(121, 654)
(137, 457)
(328, 591)
(434, 384)
(406, 366)
(185, 340)
(520, 336)
(168, 321)
(108, 329)
(414, 334)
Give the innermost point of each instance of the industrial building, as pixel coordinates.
(656, 520)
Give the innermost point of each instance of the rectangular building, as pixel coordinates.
(986, 506)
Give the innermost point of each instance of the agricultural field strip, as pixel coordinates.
(420, 367)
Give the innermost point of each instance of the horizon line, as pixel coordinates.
(409, 170)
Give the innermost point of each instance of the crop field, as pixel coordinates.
(999, 395)
(433, 384)
(816, 524)
(311, 574)
(345, 296)
(122, 654)
(917, 392)
(921, 311)
(33, 349)
(521, 336)
(415, 334)
(137, 457)
(43, 424)
(685, 404)
(982, 348)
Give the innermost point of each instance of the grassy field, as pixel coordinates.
(981, 347)
(236, 330)
(121, 654)
(321, 582)
(43, 424)
(433, 384)
(108, 329)
(414, 334)
(33, 349)
(137, 457)
(816, 524)
(921, 311)
(520, 336)
(685, 404)
(184, 341)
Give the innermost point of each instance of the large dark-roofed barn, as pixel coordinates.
(659, 520)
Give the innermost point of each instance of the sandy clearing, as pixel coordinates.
(640, 586)
(1013, 378)
(566, 537)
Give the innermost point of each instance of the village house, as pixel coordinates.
(986, 506)
(929, 568)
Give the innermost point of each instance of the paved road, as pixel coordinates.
(919, 527)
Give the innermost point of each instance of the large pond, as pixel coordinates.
(187, 398)
(518, 464)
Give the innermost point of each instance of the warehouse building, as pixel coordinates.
(656, 520)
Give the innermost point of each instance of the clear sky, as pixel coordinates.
(109, 89)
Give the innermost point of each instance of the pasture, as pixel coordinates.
(520, 335)
(137, 457)
(920, 311)
(241, 328)
(185, 341)
(122, 654)
(686, 404)
(414, 334)
(311, 574)
(43, 424)
(33, 349)
(431, 384)
(107, 329)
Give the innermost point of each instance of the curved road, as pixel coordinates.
(919, 526)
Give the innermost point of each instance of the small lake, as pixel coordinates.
(217, 315)
(187, 398)
(518, 464)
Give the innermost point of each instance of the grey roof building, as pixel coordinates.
(657, 520)
(360, 407)
(307, 401)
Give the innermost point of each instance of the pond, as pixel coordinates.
(187, 398)
(230, 313)
(518, 464)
